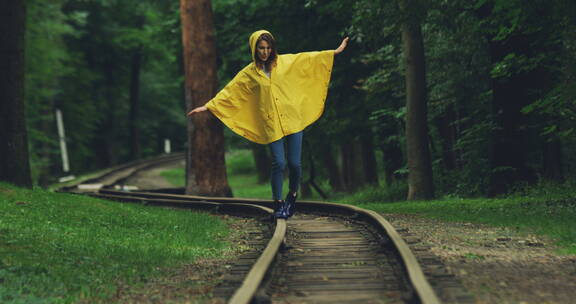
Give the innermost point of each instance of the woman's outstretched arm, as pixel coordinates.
(231, 99)
(197, 110)
(342, 46)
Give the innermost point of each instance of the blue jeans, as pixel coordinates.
(294, 145)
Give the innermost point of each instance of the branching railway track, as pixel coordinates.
(326, 253)
(117, 176)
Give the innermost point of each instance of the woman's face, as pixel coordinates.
(263, 49)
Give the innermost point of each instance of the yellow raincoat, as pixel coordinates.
(263, 109)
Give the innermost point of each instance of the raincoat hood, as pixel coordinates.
(253, 39)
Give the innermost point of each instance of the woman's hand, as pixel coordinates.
(342, 46)
(197, 110)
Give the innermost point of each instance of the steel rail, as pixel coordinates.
(137, 165)
(253, 280)
(422, 287)
(257, 273)
(424, 291)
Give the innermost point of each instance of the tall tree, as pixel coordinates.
(420, 185)
(521, 74)
(334, 175)
(135, 71)
(135, 67)
(14, 163)
(369, 159)
(206, 169)
(262, 162)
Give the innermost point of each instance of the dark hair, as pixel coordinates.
(271, 61)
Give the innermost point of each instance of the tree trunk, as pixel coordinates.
(420, 184)
(346, 152)
(393, 158)
(369, 160)
(392, 161)
(334, 175)
(135, 103)
(552, 161)
(14, 162)
(447, 132)
(351, 165)
(205, 133)
(510, 138)
(312, 173)
(49, 165)
(262, 161)
(110, 157)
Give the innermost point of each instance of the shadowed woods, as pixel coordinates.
(460, 98)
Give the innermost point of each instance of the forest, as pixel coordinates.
(431, 98)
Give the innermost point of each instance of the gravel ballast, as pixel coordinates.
(493, 264)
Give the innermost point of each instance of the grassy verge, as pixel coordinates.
(65, 248)
(545, 209)
(241, 173)
(174, 176)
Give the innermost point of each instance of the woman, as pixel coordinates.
(271, 101)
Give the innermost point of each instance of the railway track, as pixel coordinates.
(326, 253)
(331, 253)
(117, 177)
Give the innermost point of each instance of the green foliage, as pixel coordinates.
(79, 53)
(68, 248)
(381, 193)
(47, 62)
(78, 56)
(559, 103)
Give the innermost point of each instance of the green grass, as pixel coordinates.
(381, 193)
(241, 172)
(544, 209)
(175, 176)
(61, 248)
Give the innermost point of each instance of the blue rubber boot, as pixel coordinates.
(291, 204)
(281, 211)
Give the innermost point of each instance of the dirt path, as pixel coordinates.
(496, 265)
(151, 179)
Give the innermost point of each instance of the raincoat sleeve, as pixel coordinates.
(307, 77)
(322, 60)
(232, 98)
(313, 68)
